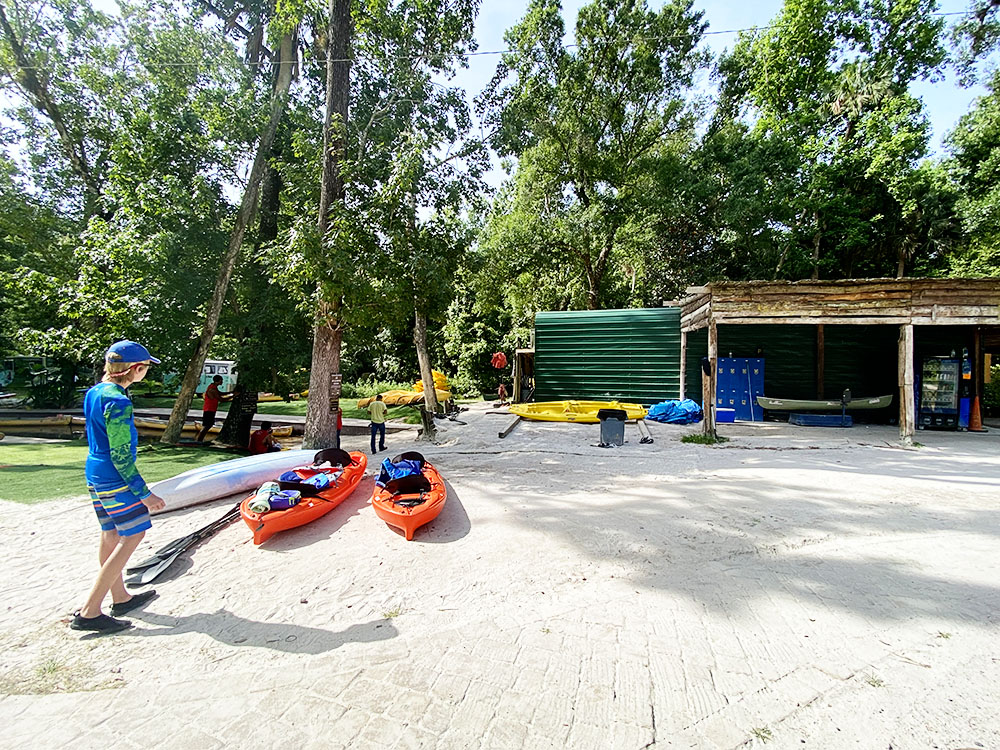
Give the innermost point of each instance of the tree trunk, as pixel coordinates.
(321, 421)
(248, 208)
(426, 376)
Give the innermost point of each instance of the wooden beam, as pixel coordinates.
(709, 383)
(820, 360)
(744, 318)
(644, 436)
(684, 342)
(510, 428)
(907, 405)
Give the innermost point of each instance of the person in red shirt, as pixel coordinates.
(340, 424)
(212, 398)
(262, 440)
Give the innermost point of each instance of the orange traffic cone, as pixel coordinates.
(975, 421)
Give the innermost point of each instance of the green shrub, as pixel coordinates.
(464, 386)
(368, 388)
(991, 391)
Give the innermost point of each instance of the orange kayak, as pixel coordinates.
(410, 502)
(345, 471)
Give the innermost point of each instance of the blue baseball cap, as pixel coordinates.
(129, 351)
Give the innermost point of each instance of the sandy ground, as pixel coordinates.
(795, 587)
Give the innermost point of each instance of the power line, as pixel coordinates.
(477, 53)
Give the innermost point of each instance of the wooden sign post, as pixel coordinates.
(336, 381)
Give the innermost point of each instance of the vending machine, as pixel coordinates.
(939, 384)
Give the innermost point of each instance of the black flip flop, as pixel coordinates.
(100, 624)
(135, 602)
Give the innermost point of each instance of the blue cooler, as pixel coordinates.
(725, 415)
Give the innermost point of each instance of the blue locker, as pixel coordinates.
(738, 383)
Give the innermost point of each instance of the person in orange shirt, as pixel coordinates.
(212, 398)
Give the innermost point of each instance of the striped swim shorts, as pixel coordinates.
(118, 509)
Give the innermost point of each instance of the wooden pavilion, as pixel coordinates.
(901, 303)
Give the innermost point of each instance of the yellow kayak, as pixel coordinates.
(574, 411)
(61, 420)
(404, 398)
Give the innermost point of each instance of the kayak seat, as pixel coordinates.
(410, 456)
(307, 490)
(335, 456)
(408, 485)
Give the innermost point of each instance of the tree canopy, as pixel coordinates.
(637, 164)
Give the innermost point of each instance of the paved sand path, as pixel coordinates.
(815, 588)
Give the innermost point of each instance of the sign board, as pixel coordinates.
(336, 381)
(248, 403)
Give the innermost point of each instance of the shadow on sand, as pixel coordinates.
(230, 629)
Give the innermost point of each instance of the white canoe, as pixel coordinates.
(790, 404)
(227, 478)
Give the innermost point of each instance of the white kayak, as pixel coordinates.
(227, 478)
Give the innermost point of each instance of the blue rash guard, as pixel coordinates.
(112, 439)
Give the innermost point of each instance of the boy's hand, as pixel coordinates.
(154, 503)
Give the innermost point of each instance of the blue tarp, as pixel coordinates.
(675, 412)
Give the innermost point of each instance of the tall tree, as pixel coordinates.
(974, 168)
(161, 136)
(417, 164)
(321, 418)
(44, 46)
(588, 125)
(284, 69)
(831, 78)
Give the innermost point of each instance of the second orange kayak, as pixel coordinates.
(345, 471)
(412, 501)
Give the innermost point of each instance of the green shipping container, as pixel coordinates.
(608, 355)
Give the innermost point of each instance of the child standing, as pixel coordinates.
(120, 497)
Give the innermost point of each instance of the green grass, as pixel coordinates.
(37, 472)
(701, 439)
(762, 733)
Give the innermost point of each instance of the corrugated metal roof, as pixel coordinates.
(626, 355)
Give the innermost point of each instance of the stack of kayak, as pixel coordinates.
(413, 396)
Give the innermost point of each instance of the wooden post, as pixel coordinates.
(907, 407)
(510, 428)
(709, 383)
(820, 361)
(683, 375)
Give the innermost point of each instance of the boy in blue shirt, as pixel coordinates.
(120, 497)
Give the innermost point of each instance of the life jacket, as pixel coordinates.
(403, 468)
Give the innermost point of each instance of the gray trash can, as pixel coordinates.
(612, 426)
